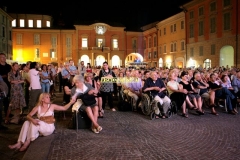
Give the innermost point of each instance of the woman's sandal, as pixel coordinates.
(200, 112)
(99, 128)
(193, 108)
(100, 114)
(185, 115)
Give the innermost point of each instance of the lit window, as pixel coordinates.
(54, 42)
(48, 24)
(22, 23)
(30, 23)
(84, 42)
(115, 43)
(52, 53)
(14, 23)
(39, 23)
(100, 43)
(37, 53)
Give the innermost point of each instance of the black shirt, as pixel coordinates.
(186, 86)
(197, 83)
(158, 83)
(213, 85)
(4, 70)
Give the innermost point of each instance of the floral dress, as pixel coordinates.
(17, 99)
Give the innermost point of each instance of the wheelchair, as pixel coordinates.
(149, 104)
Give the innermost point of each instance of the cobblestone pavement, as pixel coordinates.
(128, 135)
(131, 135)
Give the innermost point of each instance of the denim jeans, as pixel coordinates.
(225, 93)
(45, 87)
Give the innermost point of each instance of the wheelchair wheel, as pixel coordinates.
(152, 116)
(169, 113)
(146, 108)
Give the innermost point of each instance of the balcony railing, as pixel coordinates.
(101, 48)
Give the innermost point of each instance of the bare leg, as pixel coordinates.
(195, 103)
(25, 145)
(91, 116)
(7, 116)
(212, 97)
(189, 102)
(199, 102)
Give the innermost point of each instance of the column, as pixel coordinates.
(108, 58)
(92, 59)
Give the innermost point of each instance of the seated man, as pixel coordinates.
(236, 84)
(135, 88)
(156, 86)
(222, 92)
(125, 82)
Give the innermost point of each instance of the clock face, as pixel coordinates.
(100, 29)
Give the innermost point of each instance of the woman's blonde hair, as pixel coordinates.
(42, 95)
(87, 75)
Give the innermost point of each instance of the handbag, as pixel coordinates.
(48, 119)
(87, 99)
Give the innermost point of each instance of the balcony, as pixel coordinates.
(101, 48)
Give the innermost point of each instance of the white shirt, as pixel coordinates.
(34, 79)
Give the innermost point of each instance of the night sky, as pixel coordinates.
(131, 14)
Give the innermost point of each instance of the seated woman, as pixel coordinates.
(176, 93)
(93, 82)
(32, 128)
(193, 96)
(85, 89)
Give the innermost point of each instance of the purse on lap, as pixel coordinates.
(48, 119)
(87, 99)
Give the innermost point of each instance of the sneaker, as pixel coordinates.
(221, 106)
(113, 109)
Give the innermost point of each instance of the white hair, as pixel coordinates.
(78, 78)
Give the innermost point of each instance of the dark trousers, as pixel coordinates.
(1, 108)
(104, 98)
(33, 98)
(60, 81)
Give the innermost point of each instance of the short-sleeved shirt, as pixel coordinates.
(34, 79)
(197, 83)
(64, 72)
(172, 84)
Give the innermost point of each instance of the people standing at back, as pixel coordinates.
(89, 68)
(5, 68)
(45, 79)
(35, 85)
(73, 69)
(81, 69)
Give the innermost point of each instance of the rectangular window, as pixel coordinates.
(171, 28)
(3, 31)
(39, 24)
(191, 52)
(149, 42)
(155, 41)
(164, 30)
(69, 46)
(149, 55)
(10, 35)
(52, 53)
(14, 23)
(36, 39)
(191, 15)
(213, 6)
(144, 44)
(171, 47)
(191, 34)
(200, 32)
(175, 47)
(165, 49)
(226, 3)
(182, 24)
(22, 23)
(212, 25)
(84, 42)
(37, 53)
(160, 32)
(134, 45)
(160, 50)
(30, 23)
(115, 43)
(19, 39)
(213, 49)
(226, 21)
(155, 54)
(200, 11)
(182, 46)
(48, 24)
(99, 42)
(175, 27)
(201, 51)
(54, 42)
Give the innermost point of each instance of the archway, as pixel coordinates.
(133, 57)
(160, 62)
(179, 62)
(85, 59)
(116, 61)
(99, 60)
(207, 63)
(226, 56)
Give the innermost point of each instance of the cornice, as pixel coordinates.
(192, 3)
(42, 30)
(6, 14)
(172, 19)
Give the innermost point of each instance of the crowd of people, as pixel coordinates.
(32, 86)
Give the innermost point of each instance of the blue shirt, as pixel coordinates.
(65, 72)
(136, 85)
(236, 84)
(158, 83)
